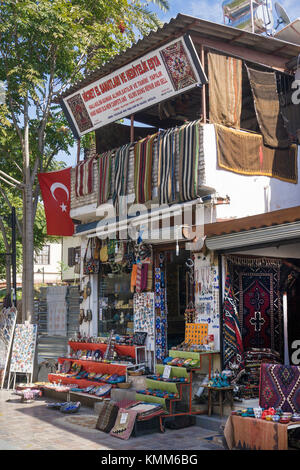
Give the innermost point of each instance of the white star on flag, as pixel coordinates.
(63, 207)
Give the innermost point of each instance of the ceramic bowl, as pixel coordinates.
(257, 412)
(296, 417)
(276, 418)
(269, 417)
(284, 420)
(287, 415)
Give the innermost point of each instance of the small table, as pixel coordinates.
(223, 393)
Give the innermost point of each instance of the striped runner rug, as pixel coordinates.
(105, 165)
(121, 171)
(143, 156)
(189, 138)
(84, 177)
(166, 166)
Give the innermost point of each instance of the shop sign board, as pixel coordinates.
(155, 77)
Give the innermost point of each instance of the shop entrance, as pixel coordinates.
(178, 295)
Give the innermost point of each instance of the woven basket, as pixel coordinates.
(134, 373)
(124, 385)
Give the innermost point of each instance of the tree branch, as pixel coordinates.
(10, 206)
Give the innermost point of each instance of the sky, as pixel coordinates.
(210, 10)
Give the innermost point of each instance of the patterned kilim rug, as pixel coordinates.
(280, 387)
(256, 289)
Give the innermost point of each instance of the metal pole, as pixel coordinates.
(203, 91)
(285, 329)
(252, 15)
(14, 255)
(132, 128)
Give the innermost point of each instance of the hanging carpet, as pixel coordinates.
(143, 153)
(233, 345)
(267, 108)
(189, 144)
(84, 177)
(105, 164)
(166, 166)
(256, 289)
(245, 153)
(121, 171)
(225, 89)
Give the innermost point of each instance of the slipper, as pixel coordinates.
(71, 407)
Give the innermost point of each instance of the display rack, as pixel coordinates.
(97, 366)
(176, 387)
(121, 350)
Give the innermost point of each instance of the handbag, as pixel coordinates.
(97, 249)
(91, 265)
(104, 252)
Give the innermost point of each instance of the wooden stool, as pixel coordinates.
(223, 393)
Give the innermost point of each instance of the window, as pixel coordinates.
(44, 255)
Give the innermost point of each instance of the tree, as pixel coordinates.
(11, 193)
(45, 46)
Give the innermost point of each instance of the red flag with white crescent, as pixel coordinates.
(56, 192)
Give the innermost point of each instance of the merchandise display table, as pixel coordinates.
(169, 385)
(224, 392)
(97, 366)
(82, 383)
(121, 350)
(196, 355)
(256, 434)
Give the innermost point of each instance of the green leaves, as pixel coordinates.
(45, 46)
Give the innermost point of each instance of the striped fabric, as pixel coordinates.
(121, 171)
(188, 136)
(105, 166)
(138, 286)
(84, 177)
(166, 166)
(143, 157)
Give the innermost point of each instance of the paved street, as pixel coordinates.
(32, 426)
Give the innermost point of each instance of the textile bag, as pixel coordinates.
(91, 265)
(104, 252)
(107, 416)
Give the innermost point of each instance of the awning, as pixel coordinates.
(144, 222)
(262, 229)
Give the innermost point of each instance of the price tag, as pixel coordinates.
(124, 417)
(167, 372)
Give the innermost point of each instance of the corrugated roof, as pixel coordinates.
(196, 27)
(283, 216)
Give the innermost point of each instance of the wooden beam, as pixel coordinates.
(267, 60)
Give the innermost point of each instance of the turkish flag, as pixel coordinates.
(56, 192)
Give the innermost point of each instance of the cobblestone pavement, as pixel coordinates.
(32, 426)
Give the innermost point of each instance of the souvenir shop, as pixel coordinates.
(260, 324)
(151, 290)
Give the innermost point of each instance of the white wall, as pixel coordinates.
(249, 195)
(49, 273)
(68, 272)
